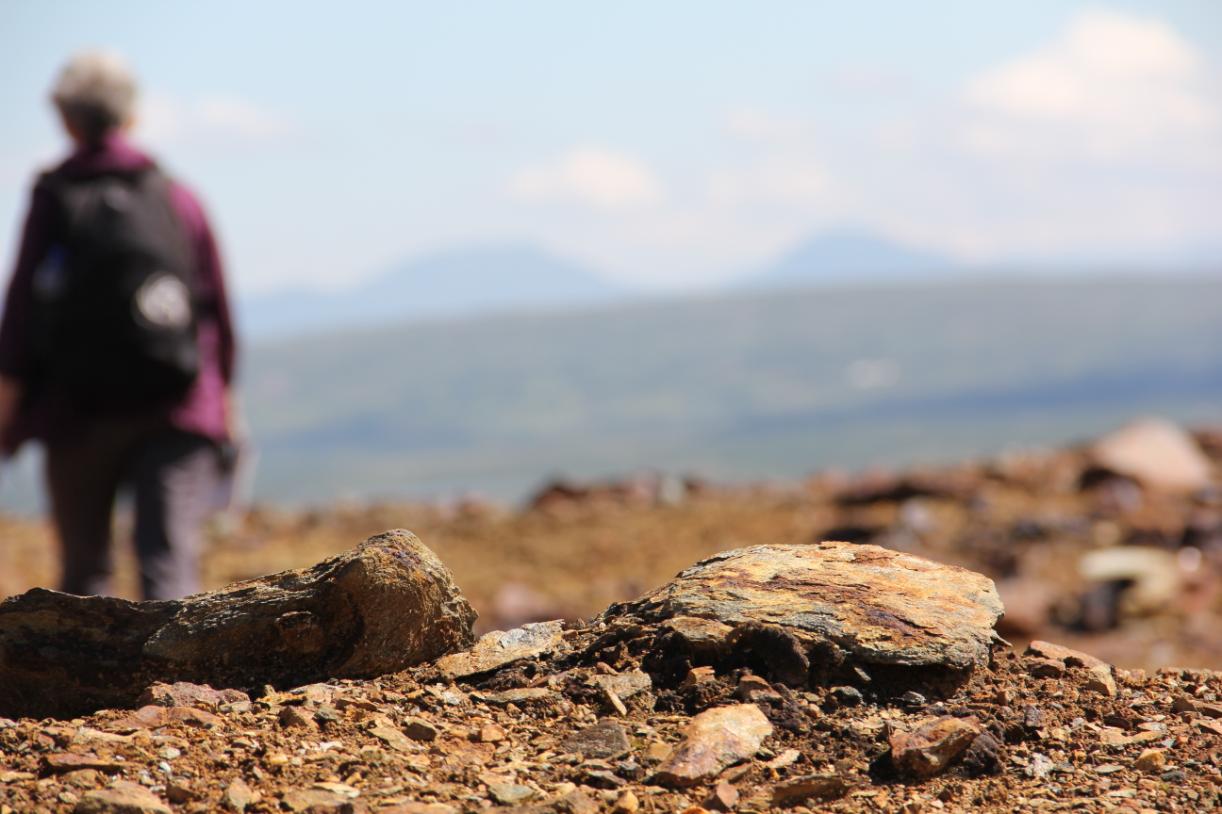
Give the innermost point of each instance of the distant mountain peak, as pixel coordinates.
(453, 282)
(848, 254)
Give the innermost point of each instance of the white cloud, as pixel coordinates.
(217, 119)
(1110, 87)
(590, 176)
(1103, 142)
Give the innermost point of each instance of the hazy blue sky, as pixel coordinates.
(662, 143)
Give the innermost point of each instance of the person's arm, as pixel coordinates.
(15, 354)
(214, 272)
(213, 292)
(11, 391)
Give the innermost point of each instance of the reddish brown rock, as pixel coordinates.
(809, 787)
(392, 737)
(723, 797)
(1065, 655)
(604, 740)
(715, 739)
(186, 694)
(502, 647)
(152, 717)
(574, 802)
(238, 796)
(419, 808)
(699, 675)
(1046, 668)
(752, 687)
(122, 797)
(492, 733)
(872, 605)
(84, 778)
(1151, 760)
(627, 803)
(703, 637)
(1112, 737)
(1100, 679)
(321, 801)
(1047, 660)
(933, 745)
(1185, 704)
(296, 718)
(62, 762)
(385, 605)
(509, 794)
(418, 729)
(520, 696)
(625, 685)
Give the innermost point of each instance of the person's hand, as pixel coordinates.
(10, 397)
(235, 423)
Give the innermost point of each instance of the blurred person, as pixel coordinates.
(116, 344)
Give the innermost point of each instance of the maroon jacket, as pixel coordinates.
(202, 410)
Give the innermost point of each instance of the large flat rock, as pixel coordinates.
(385, 605)
(872, 605)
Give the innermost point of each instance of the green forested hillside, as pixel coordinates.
(743, 387)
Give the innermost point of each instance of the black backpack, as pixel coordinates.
(115, 301)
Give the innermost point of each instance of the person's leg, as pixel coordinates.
(173, 475)
(82, 478)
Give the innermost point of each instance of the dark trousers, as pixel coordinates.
(172, 476)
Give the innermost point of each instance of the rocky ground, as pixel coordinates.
(765, 698)
(629, 713)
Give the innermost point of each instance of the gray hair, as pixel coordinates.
(95, 93)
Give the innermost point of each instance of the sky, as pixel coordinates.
(664, 145)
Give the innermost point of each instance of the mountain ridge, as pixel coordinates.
(482, 279)
(849, 255)
(459, 281)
